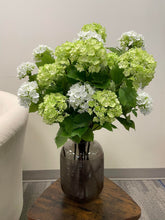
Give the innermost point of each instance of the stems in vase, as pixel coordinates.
(75, 145)
(82, 150)
(88, 150)
(64, 152)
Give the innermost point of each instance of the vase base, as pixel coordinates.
(82, 200)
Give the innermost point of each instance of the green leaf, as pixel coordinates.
(81, 120)
(33, 107)
(118, 51)
(117, 74)
(102, 85)
(88, 135)
(76, 124)
(127, 96)
(127, 123)
(74, 74)
(113, 126)
(132, 124)
(79, 132)
(134, 111)
(108, 126)
(32, 77)
(63, 132)
(60, 139)
(67, 125)
(101, 79)
(62, 85)
(96, 127)
(46, 58)
(76, 139)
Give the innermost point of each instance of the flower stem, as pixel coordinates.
(88, 150)
(75, 145)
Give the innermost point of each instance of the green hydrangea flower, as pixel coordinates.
(105, 105)
(63, 53)
(112, 59)
(49, 74)
(139, 66)
(96, 27)
(87, 55)
(53, 108)
(90, 55)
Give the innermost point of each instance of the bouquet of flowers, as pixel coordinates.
(85, 86)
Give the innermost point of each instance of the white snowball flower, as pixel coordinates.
(27, 93)
(79, 96)
(131, 39)
(25, 69)
(38, 51)
(84, 35)
(144, 102)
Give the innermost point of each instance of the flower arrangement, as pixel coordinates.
(85, 86)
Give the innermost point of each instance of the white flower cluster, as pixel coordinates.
(24, 69)
(144, 102)
(38, 51)
(85, 35)
(131, 38)
(79, 96)
(27, 93)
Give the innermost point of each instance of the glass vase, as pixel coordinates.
(82, 170)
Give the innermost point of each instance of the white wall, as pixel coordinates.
(25, 24)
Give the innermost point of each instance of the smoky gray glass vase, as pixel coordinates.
(82, 170)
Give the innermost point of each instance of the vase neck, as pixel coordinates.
(82, 149)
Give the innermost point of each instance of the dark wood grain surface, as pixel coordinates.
(112, 204)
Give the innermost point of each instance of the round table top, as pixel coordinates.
(113, 203)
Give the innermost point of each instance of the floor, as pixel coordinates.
(148, 194)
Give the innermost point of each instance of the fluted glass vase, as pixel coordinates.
(82, 170)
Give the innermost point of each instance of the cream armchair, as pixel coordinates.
(13, 120)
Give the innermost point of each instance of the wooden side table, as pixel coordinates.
(112, 204)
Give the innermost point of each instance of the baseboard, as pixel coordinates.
(130, 173)
(41, 174)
